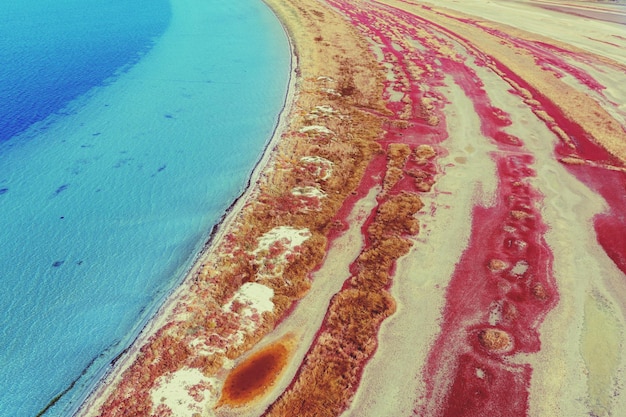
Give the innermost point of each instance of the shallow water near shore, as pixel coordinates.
(104, 204)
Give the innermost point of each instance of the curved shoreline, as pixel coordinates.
(348, 172)
(107, 184)
(121, 362)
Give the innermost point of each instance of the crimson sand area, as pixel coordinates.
(436, 229)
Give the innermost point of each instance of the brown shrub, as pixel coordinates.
(392, 176)
(395, 216)
(397, 154)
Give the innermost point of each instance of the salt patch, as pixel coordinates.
(256, 297)
(308, 191)
(185, 392)
(323, 109)
(253, 299)
(521, 245)
(317, 128)
(495, 314)
(275, 246)
(291, 237)
(331, 91)
(316, 160)
(324, 166)
(509, 229)
(520, 268)
(200, 346)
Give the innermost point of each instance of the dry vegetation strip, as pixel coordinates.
(330, 374)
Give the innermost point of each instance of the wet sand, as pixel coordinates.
(435, 229)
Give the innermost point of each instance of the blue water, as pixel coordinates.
(53, 51)
(128, 128)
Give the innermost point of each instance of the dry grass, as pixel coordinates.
(332, 369)
(397, 155)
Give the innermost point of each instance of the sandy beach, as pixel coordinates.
(434, 228)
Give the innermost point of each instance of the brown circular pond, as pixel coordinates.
(252, 377)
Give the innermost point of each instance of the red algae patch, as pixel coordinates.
(479, 391)
(253, 377)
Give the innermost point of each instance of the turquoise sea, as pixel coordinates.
(127, 128)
